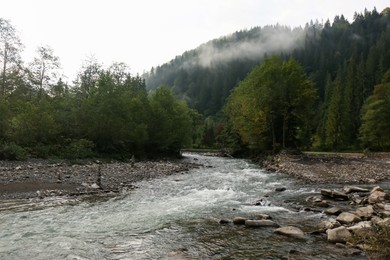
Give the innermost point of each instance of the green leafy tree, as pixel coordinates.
(272, 105)
(374, 132)
(170, 123)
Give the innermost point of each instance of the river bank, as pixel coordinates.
(322, 168)
(43, 178)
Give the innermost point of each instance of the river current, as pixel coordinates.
(174, 217)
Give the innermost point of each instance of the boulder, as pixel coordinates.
(334, 194)
(290, 231)
(328, 224)
(280, 189)
(348, 218)
(239, 221)
(260, 223)
(365, 212)
(351, 189)
(322, 204)
(377, 188)
(333, 211)
(338, 235)
(360, 227)
(377, 197)
(224, 221)
(262, 216)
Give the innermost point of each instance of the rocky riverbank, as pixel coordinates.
(354, 213)
(42, 178)
(333, 168)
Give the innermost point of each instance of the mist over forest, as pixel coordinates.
(324, 87)
(344, 60)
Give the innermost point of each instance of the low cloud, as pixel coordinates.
(253, 44)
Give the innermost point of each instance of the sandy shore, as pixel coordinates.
(42, 178)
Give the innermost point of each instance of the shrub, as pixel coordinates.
(12, 151)
(79, 149)
(376, 241)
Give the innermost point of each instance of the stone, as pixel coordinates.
(360, 227)
(95, 186)
(239, 221)
(290, 231)
(338, 235)
(280, 189)
(333, 211)
(328, 224)
(262, 216)
(365, 212)
(377, 197)
(348, 218)
(322, 204)
(351, 189)
(224, 221)
(377, 188)
(334, 194)
(260, 223)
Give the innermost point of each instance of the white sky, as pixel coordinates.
(146, 33)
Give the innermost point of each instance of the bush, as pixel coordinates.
(79, 149)
(376, 241)
(12, 151)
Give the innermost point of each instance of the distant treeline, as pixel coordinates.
(345, 61)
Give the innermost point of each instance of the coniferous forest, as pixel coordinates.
(322, 87)
(248, 98)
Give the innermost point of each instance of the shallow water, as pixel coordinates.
(174, 217)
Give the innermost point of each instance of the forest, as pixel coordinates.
(346, 62)
(107, 112)
(322, 87)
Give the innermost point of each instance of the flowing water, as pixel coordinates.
(175, 217)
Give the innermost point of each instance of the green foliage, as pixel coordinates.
(376, 241)
(170, 124)
(78, 149)
(271, 106)
(12, 151)
(374, 132)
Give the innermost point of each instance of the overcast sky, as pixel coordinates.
(146, 33)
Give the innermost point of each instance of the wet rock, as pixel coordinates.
(290, 231)
(377, 188)
(239, 221)
(328, 224)
(260, 223)
(333, 211)
(365, 212)
(334, 194)
(348, 218)
(377, 197)
(322, 204)
(224, 221)
(338, 235)
(262, 216)
(280, 189)
(360, 227)
(351, 189)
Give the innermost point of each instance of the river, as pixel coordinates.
(175, 217)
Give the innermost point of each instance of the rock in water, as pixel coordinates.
(334, 194)
(260, 223)
(377, 197)
(239, 221)
(365, 212)
(290, 231)
(333, 211)
(351, 189)
(348, 218)
(338, 235)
